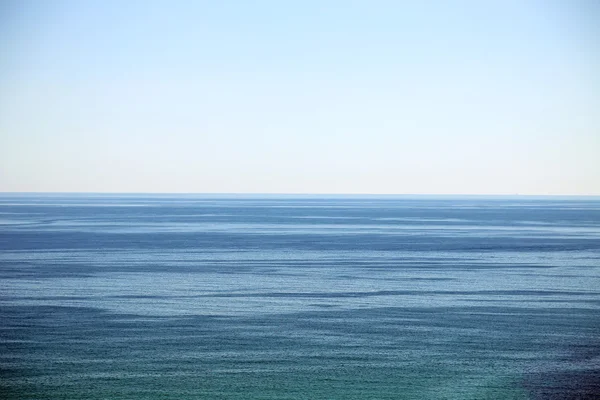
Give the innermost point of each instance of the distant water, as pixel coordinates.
(208, 297)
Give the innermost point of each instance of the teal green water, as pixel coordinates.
(192, 297)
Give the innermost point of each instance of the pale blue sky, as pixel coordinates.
(449, 97)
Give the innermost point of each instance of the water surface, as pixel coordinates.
(266, 297)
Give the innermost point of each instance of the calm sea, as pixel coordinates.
(225, 297)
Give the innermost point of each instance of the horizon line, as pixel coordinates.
(296, 194)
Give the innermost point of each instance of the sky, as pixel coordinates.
(311, 96)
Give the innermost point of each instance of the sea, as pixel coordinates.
(122, 296)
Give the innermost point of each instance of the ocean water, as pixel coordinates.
(306, 297)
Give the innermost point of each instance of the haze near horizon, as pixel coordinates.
(386, 97)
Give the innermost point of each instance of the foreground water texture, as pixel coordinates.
(207, 297)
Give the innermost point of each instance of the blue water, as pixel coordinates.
(299, 297)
